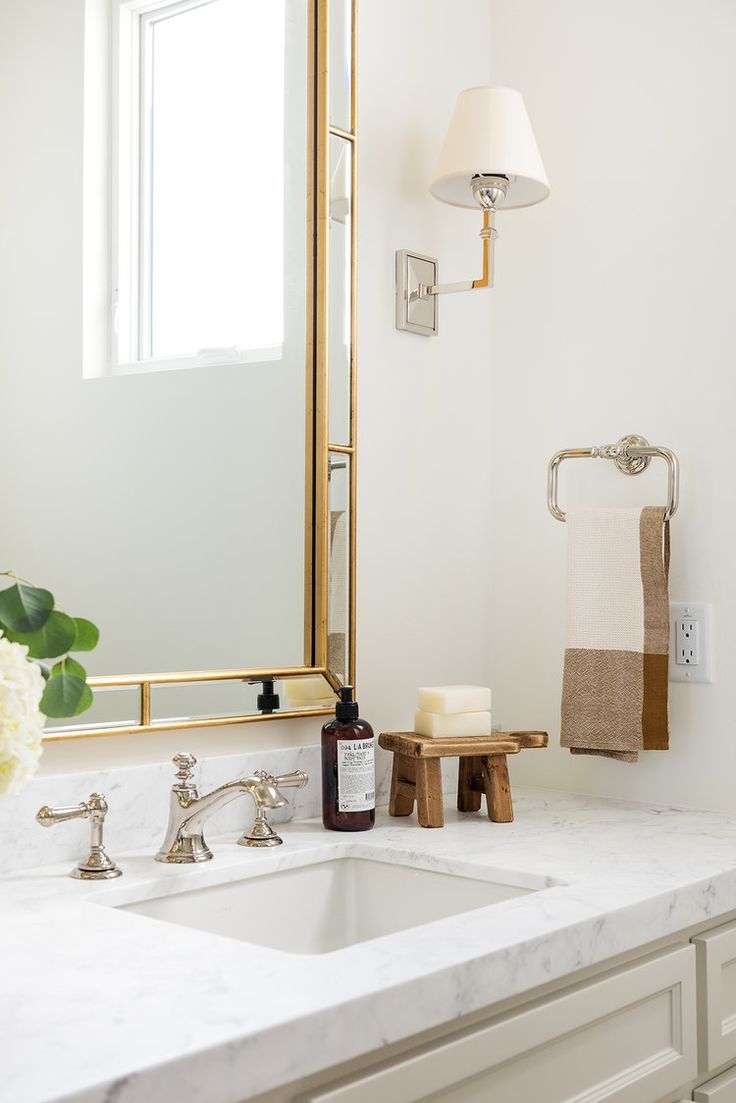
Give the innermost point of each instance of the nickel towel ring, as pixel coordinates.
(631, 454)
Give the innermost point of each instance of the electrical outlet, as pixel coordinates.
(690, 642)
(687, 631)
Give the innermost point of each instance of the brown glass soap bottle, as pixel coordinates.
(348, 769)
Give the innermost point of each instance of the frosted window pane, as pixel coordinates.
(217, 178)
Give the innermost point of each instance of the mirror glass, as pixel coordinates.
(341, 29)
(338, 636)
(156, 288)
(340, 288)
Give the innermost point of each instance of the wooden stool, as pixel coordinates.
(417, 773)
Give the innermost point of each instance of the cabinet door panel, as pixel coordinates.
(626, 1037)
(717, 994)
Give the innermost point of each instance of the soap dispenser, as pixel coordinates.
(348, 769)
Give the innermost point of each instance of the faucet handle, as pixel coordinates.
(49, 817)
(98, 866)
(184, 783)
(262, 833)
(297, 779)
(185, 764)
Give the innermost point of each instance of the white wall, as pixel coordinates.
(423, 422)
(424, 481)
(614, 313)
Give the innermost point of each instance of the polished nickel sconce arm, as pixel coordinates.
(416, 275)
(488, 235)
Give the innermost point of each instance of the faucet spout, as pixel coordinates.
(198, 811)
(188, 811)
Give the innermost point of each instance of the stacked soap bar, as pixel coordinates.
(447, 711)
(309, 692)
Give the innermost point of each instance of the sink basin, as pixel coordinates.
(325, 906)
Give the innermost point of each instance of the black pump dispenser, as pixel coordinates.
(268, 700)
(348, 768)
(346, 708)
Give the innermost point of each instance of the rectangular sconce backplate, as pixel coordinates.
(419, 315)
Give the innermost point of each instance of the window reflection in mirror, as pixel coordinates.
(201, 97)
(212, 178)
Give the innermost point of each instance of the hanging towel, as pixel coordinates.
(614, 693)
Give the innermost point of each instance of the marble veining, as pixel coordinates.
(104, 1006)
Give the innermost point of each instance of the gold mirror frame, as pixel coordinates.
(318, 446)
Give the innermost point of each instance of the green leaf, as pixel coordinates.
(55, 637)
(65, 695)
(25, 608)
(88, 635)
(69, 666)
(45, 670)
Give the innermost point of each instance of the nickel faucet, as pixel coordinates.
(188, 812)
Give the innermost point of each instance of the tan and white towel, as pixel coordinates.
(614, 693)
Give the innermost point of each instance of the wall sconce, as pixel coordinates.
(490, 159)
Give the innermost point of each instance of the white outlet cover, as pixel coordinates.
(702, 612)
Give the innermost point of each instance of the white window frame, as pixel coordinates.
(130, 223)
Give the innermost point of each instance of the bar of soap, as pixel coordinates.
(311, 688)
(306, 704)
(453, 699)
(447, 726)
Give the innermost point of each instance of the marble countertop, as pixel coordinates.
(98, 1004)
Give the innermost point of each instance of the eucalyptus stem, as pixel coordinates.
(18, 577)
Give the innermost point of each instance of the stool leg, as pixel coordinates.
(429, 792)
(468, 799)
(403, 786)
(498, 788)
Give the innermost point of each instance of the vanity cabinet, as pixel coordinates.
(628, 1036)
(659, 1028)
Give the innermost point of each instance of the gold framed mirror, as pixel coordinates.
(316, 59)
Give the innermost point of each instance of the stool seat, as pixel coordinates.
(416, 776)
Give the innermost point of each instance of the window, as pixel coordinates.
(198, 183)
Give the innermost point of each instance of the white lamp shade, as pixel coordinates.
(490, 134)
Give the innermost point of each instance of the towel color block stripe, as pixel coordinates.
(614, 698)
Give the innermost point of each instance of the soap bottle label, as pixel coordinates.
(356, 775)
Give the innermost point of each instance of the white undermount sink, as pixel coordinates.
(327, 905)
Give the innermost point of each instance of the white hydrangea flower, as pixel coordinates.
(21, 720)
